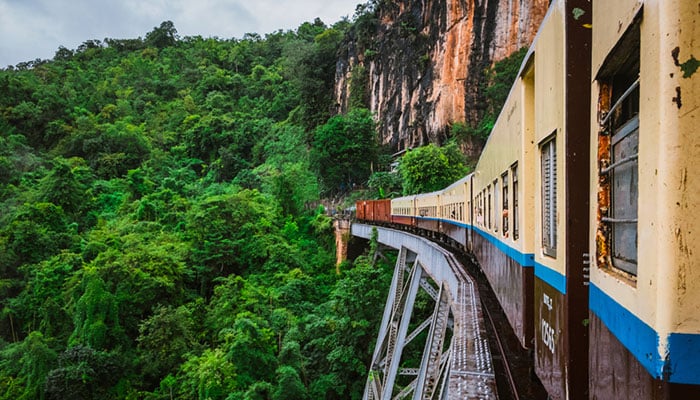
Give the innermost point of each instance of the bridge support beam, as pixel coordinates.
(455, 361)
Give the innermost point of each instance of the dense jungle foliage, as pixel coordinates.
(159, 230)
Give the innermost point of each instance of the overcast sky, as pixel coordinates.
(31, 29)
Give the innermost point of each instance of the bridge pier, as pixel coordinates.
(456, 360)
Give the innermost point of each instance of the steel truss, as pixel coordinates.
(455, 362)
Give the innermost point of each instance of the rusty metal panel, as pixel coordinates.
(428, 224)
(360, 210)
(370, 210)
(402, 219)
(382, 210)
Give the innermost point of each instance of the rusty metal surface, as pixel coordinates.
(382, 210)
(402, 219)
(428, 224)
(360, 207)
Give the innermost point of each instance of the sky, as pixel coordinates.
(31, 29)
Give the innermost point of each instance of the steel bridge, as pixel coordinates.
(456, 360)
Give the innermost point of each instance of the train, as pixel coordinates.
(581, 210)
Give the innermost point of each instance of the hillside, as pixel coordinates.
(160, 229)
(158, 235)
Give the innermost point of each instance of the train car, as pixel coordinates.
(427, 208)
(455, 211)
(373, 210)
(403, 210)
(382, 210)
(604, 288)
(560, 74)
(645, 281)
(502, 202)
(361, 210)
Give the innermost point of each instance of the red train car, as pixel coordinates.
(373, 210)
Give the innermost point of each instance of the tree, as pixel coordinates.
(165, 338)
(163, 36)
(96, 316)
(27, 363)
(84, 373)
(289, 385)
(231, 232)
(431, 168)
(344, 150)
(209, 376)
(384, 184)
(66, 184)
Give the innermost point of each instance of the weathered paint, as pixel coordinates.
(549, 88)
(561, 76)
(663, 300)
(616, 373)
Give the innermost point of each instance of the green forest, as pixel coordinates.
(161, 234)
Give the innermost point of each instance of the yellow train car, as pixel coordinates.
(643, 236)
(428, 211)
(541, 140)
(502, 203)
(561, 97)
(602, 286)
(403, 210)
(455, 206)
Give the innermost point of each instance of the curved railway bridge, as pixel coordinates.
(456, 360)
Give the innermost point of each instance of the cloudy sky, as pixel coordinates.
(31, 29)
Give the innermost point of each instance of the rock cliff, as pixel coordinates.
(420, 63)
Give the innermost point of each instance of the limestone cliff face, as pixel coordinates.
(426, 59)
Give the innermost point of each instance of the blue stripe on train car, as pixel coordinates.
(681, 363)
(551, 277)
(544, 273)
(524, 259)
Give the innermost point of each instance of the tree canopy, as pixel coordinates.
(160, 235)
(431, 168)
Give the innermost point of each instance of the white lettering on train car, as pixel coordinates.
(547, 301)
(547, 335)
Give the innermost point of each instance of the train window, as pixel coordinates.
(514, 174)
(504, 213)
(495, 205)
(549, 197)
(482, 200)
(479, 211)
(488, 205)
(618, 148)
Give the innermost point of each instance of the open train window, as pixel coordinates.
(516, 226)
(504, 213)
(618, 148)
(548, 152)
(495, 205)
(488, 205)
